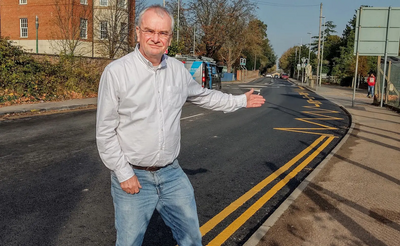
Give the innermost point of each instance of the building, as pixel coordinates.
(79, 27)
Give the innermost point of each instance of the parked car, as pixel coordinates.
(284, 76)
(268, 75)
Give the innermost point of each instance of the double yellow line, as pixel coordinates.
(233, 227)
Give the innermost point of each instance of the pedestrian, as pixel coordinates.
(140, 101)
(371, 85)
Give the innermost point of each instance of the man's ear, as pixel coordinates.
(137, 34)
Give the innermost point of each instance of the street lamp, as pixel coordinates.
(301, 44)
(309, 49)
(322, 51)
(309, 55)
(37, 29)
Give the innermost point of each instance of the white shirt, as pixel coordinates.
(139, 109)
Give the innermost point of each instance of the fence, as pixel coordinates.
(391, 95)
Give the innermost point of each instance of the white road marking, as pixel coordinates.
(192, 116)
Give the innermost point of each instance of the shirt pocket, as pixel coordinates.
(175, 96)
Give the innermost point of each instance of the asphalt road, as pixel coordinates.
(55, 190)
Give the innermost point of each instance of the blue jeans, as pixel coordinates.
(170, 192)
(371, 90)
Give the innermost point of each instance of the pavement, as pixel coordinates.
(352, 198)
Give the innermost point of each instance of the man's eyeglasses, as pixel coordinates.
(151, 33)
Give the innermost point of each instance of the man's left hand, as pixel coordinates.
(253, 100)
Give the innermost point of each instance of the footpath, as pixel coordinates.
(352, 198)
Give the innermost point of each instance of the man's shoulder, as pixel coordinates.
(174, 62)
(121, 62)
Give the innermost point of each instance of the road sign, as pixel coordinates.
(379, 27)
(242, 61)
(303, 60)
(298, 67)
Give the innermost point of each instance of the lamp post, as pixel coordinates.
(309, 49)
(37, 39)
(309, 55)
(295, 65)
(301, 44)
(322, 50)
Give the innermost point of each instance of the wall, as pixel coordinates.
(247, 75)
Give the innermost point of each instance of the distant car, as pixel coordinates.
(276, 76)
(268, 76)
(284, 76)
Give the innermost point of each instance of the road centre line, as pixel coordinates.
(192, 116)
(209, 225)
(233, 227)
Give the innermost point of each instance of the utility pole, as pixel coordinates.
(163, 3)
(319, 43)
(177, 29)
(194, 39)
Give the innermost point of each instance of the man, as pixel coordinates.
(371, 85)
(140, 100)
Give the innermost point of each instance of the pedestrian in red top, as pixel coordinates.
(371, 85)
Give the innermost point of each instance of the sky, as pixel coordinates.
(289, 21)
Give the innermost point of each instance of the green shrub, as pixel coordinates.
(24, 79)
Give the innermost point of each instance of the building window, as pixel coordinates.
(123, 32)
(103, 2)
(23, 24)
(84, 2)
(122, 3)
(83, 27)
(103, 30)
(23, 1)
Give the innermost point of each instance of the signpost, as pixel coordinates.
(243, 66)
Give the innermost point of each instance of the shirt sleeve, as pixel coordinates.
(106, 127)
(213, 99)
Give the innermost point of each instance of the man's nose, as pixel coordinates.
(156, 37)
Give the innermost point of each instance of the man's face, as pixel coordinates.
(154, 35)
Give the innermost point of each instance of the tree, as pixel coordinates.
(238, 37)
(256, 32)
(71, 18)
(216, 18)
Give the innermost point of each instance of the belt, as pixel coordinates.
(151, 169)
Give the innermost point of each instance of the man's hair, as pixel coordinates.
(161, 11)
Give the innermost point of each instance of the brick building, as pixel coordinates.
(81, 27)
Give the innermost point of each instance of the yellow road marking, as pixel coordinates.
(209, 225)
(232, 228)
(318, 112)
